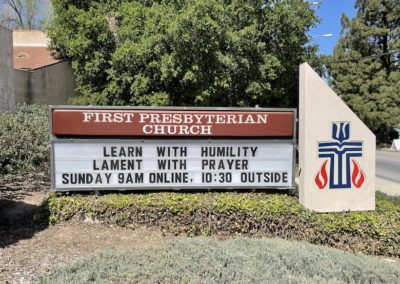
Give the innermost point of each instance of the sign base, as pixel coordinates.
(336, 151)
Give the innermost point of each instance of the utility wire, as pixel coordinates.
(365, 57)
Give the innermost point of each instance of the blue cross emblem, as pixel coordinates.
(339, 154)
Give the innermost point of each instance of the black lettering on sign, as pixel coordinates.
(152, 178)
(284, 177)
(98, 180)
(171, 164)
(243, 177)
(206, 177)
(167, 178)
(108, 176)
(121, 151)
(267, 177)
(174, 151)
(208, 164)
(277, 177)
(130, 178)
(117, 165)
(204, 151)
(218, 151)
(251, 177)
(227, 164)
(80, 178)
(139, 177)
(65, 179)
(225, 177)
(121, 178)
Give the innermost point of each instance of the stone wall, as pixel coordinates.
(49, 85)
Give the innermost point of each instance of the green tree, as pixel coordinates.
(364, 69)
(185, 52)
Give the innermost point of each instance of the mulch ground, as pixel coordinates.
(29, 248)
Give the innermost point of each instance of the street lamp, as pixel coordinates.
(311, 38)
(315, 3)
(321, 35)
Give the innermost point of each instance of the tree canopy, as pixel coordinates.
(184, 52)
(364, 69)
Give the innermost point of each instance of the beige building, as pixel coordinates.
(29, 73)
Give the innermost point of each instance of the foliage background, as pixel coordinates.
(184, 53)
(24, 140)
(365, 66)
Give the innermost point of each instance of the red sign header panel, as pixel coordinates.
(174, 123)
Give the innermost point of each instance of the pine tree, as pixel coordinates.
(365, 66)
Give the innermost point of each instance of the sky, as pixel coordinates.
(330, 12)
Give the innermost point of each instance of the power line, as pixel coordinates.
(365, 57)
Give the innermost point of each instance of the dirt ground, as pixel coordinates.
(29, 249)
(61, 244)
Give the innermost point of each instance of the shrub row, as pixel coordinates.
(245, 214)
(24, 140)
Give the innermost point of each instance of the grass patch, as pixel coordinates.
(240, 214)
(204, 260)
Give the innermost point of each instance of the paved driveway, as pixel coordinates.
(388, 165)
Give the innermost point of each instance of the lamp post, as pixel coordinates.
(320, 35)
(311, 38)
(315, 3)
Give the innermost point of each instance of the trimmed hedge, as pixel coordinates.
(241, 260)
(242, 214)
(24, 140)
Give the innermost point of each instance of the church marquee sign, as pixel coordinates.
(111, 148)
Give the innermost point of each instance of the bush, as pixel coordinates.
(204, 260)
(24, 140)
(244, 214)
(184, 52)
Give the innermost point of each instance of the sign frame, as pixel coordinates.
(54, 139)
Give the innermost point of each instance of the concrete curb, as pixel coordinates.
(387, 186)
(382, 185)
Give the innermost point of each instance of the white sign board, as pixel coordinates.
(396, 145)
(144, 164)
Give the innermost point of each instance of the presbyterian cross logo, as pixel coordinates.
(344, 170)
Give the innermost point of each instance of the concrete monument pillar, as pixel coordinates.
(336, 150)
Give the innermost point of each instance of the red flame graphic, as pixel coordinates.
(321, 179)
(357, 176)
